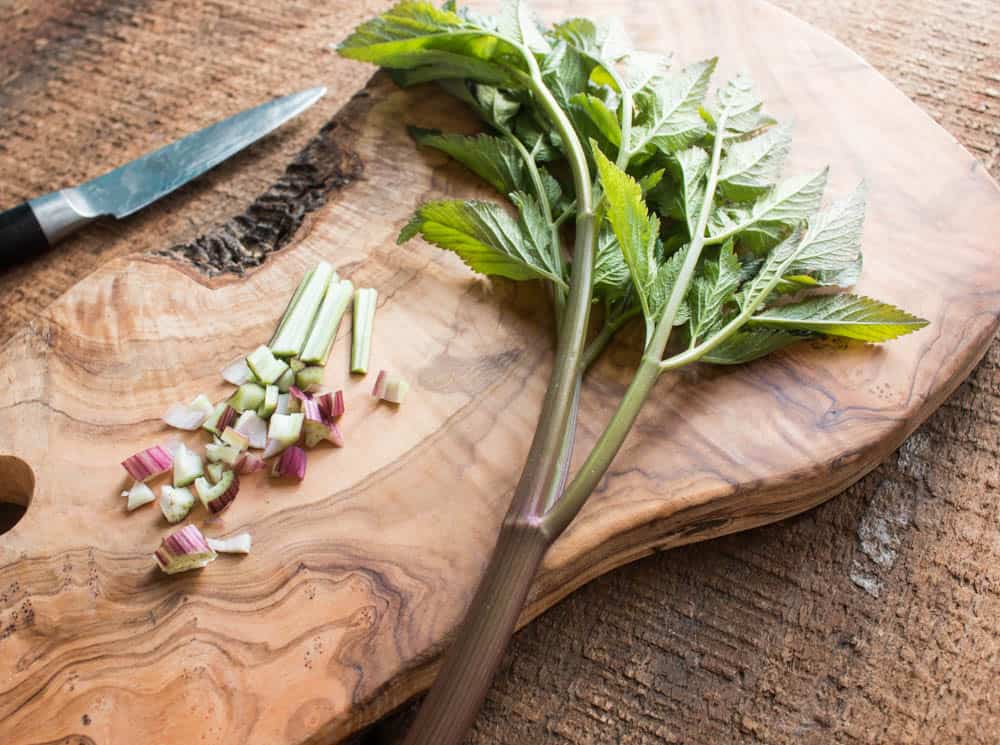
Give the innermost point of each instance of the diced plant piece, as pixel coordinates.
(235, 439)
(149, 463)
(175, 503)
(324, 331)
(299, 394)
(296, 364)
(211, 424)
(274, 447)
(237, 544)
(365, 299)
(248, 463)
(270, 402)
(218, 452)
(331, 404)
(291, 306)
(214, 472)
(291, 336)
(237, 372)
(265, 366)
(291, 464)
(187, 466)
(287, 380)
(309, 378)
(390, 387)
(248, 397)
(255, 428)
(190, 416)
(315, 427)
(138, 495)
(222, 416)
(285, 428)
(284, 402)
(218, 497)
(183, 550)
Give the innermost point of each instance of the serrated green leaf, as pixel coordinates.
(487, 238)
(535, 138)
(689, 168)
(603, 120)
(848, 316)
(711, 290)
(611, 276)
(493, 159)
(517, 22)
(764, 224)
(753, 166)
(649, 181)
(663, 285)
(831, 250)
(414, 34)
(636, 230)
(746, 346)
(565, 71)
(742, 106)
(603, 44)
(668, 118)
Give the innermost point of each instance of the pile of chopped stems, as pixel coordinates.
(679, 218)
(278, 407)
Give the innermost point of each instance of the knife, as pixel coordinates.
(36, 225)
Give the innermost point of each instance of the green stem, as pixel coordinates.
(543, 202)
(472, 660)
(597, 462)
(624, 154)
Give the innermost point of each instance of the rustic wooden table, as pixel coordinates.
(871, 619)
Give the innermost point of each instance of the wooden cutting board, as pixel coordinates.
(359, 574)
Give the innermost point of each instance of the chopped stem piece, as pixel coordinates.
(248, 463)
(214, 472)
(217, 497)
(237, 372)
(284, 404)
(270, 402)
(390, 387)
(248, 397)
(309, 378)
(291, 306)
(324, 330)
(331, 404)
(138, 495)
(183, 550)
(292, 333)
(237, 544)
(286, 381)
(148, 463)
(365, 299)
(218, 452)
(187, 466)
(265, 366)
(175, 503)
(291, 464)
(285, 428)
(235, 439)
(253, 427)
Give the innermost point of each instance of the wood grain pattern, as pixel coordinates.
(359, 575)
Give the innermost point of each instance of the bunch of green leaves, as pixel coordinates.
(767, 262)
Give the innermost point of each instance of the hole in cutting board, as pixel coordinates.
(17, 485)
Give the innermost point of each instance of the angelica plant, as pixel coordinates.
(679, 218)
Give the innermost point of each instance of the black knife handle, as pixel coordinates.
(21, 236)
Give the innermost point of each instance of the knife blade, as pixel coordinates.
(38, 224)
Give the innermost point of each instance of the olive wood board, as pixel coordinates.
(360, 574)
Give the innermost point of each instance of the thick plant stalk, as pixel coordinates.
(613, 437)
(473, 658)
